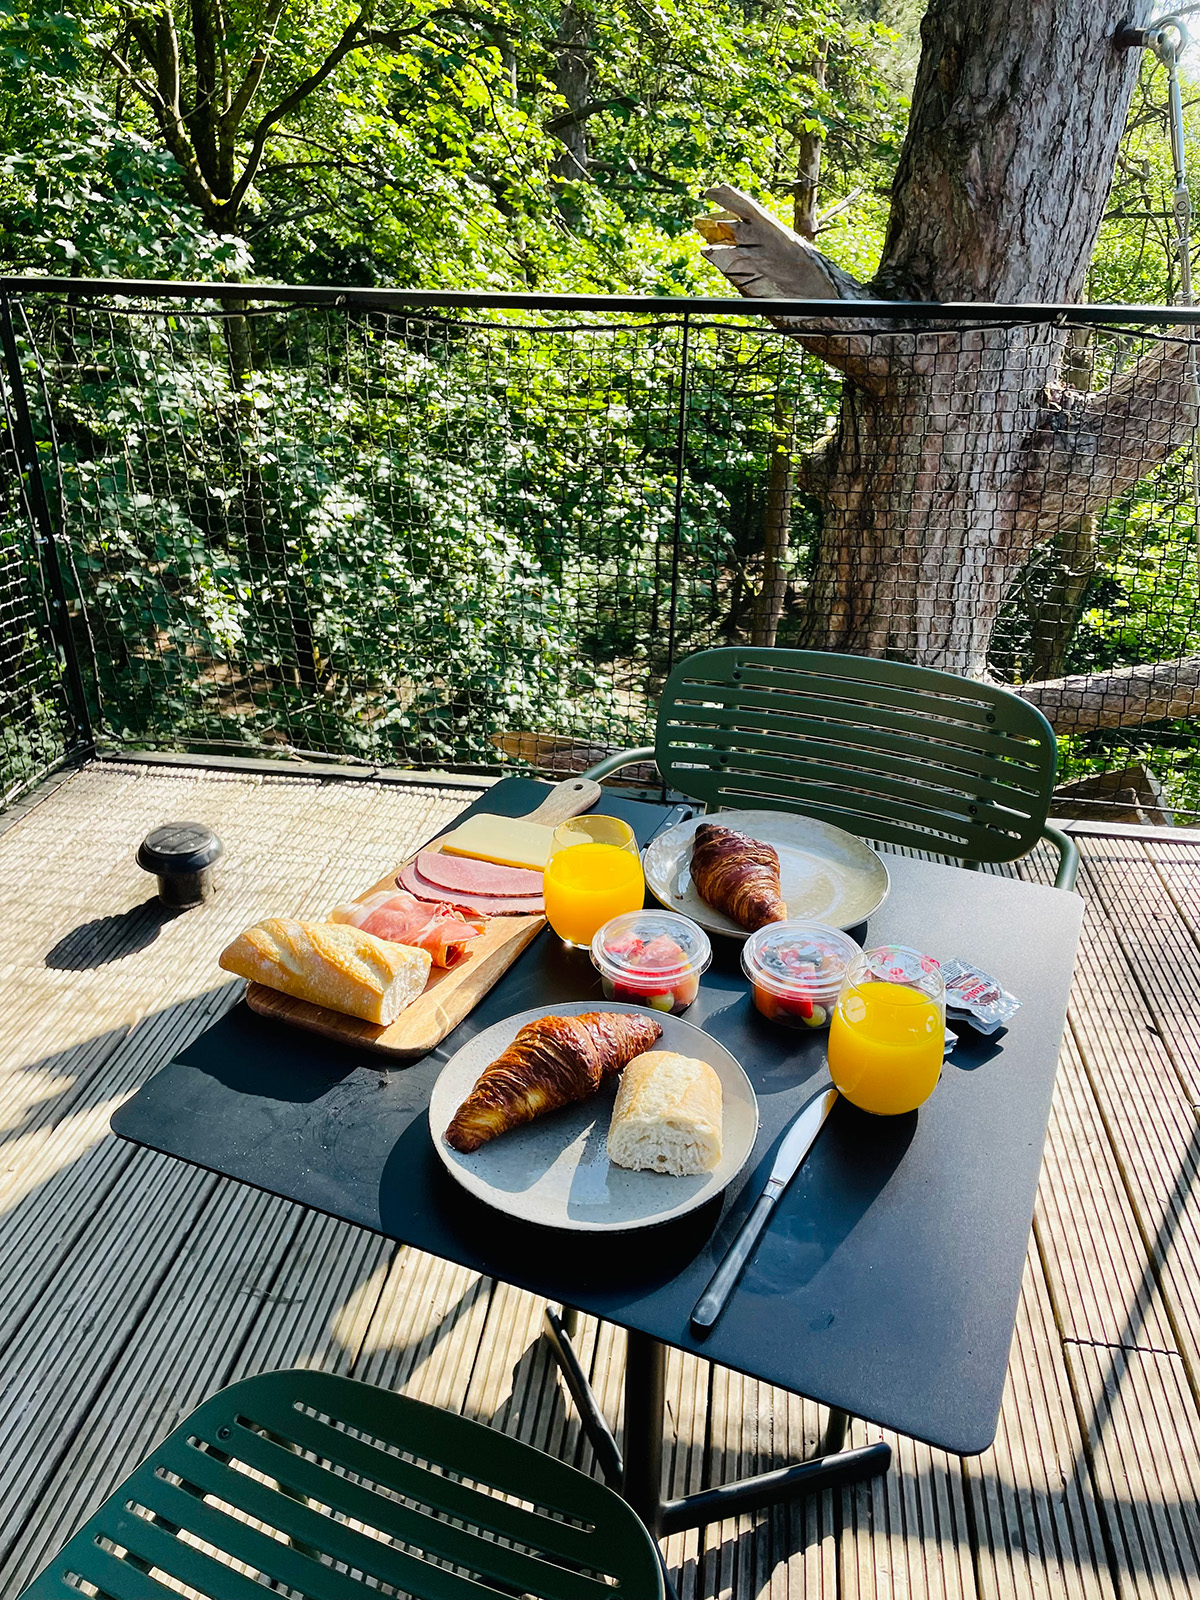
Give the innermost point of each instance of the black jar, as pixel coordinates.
(181, 857)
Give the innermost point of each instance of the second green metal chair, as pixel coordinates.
(311, 1484)
(902, 754)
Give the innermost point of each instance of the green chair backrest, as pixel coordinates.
(906, 755)
(351, 1487)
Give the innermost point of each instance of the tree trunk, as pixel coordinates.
(777, 527)
(1055, 611)
(574, 75)
(1055, 615)
(808, 163)
(956, 453)
(923, 531)
(781, 480)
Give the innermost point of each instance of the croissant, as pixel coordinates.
(737, 875)
(550, 1063)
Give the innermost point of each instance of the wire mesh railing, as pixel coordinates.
(445, 530)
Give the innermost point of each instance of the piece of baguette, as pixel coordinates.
(667, 1116)
(331, 964)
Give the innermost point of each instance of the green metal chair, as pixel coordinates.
(906, 755)
(352, 1492)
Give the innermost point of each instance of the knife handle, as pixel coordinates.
(712, 1302)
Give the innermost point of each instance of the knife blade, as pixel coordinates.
(796, 1144)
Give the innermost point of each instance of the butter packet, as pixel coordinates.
(976, 998)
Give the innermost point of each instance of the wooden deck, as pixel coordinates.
(134, 1285)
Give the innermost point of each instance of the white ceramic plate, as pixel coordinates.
(555, 1170)
(826, 874)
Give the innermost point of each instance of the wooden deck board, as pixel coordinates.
(134, 1285)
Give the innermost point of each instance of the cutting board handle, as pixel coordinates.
(566, 800)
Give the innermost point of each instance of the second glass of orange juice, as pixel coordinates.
(887, 1036)
(594, 874)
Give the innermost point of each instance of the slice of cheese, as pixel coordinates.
(508, 841)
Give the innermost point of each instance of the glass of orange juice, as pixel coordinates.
(594, 874)
(887, 1037)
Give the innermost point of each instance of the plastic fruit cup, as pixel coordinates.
(796, 970)
(652, 958)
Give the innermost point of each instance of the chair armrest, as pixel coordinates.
(1068, 856)
(623, 758)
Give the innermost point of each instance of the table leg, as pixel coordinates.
(640, 1476)
(835, 1431)
(607, 1451)
(645, 1370)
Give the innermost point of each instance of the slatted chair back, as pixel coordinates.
(906, 755)
(316, 1486)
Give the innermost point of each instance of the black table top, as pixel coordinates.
(887, 1281)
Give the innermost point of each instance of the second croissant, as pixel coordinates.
(550, 1063)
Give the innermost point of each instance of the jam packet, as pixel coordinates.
(976, 998)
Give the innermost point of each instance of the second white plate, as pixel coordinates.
(826, 874)
(555, 1170)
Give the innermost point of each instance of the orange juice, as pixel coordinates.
(885, 1047)
(586, 885)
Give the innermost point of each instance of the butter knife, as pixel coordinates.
(797, 1142)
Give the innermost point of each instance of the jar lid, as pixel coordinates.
(656, 944)
(897, 963)
(785, 956)
(177, 849)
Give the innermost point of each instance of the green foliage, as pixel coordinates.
(82, 191)
(397, 537)
(390, 540)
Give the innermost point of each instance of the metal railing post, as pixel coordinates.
(36, 502)
(680, 457)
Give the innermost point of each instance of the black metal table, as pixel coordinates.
(886, 1285)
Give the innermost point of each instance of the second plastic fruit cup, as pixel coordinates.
(797, 969)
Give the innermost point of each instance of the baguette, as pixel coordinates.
(667, 1117)
(330, 964)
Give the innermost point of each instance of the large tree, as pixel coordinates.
(957, 452)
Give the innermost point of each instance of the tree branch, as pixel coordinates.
(355, 36)
(248, 88)
(1121, 697)
(204, 119)
(349, 41)
(1089, 448)
(593, 108)
(159, 46)
(763, 259)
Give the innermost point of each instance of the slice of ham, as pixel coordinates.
(404, 919)
(463, 874)
(485, 905)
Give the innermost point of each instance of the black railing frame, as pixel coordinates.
(32, 490)
(385, 299)
(264, 298)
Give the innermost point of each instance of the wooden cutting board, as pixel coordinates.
(452, 992)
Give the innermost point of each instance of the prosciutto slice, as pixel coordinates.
(404, 919)
(465, 875)
(484, 905)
